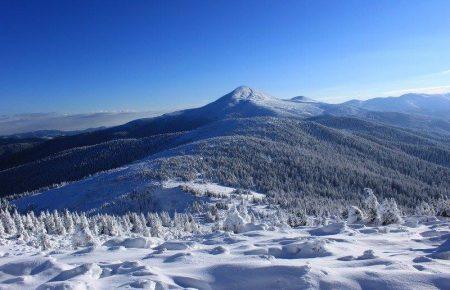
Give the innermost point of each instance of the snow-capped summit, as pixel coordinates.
(248, 102)
(244, 93)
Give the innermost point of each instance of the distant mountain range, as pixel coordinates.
(248, 139)
(428, 105)
(242, 102)
(53, 124)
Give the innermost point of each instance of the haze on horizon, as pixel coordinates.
(69, 57)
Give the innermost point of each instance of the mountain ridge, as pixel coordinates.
(143, 136)
(424, 104)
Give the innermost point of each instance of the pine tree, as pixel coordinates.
(355, 215)
(83, 237)
(190, 224)
(68, 222)
(29, 223)
(424, 209)
(93, 227)
(156, 228)
(49, 223)
(297, 218)
(138, 227)
(126, 223)
(234, 221)
(389, 212)
(8, 222)
(178, 221)
(2, 230)
(84, 223)
(165, 219)
(59, 224)
(44, 242)
(113, 226)
(145, 230)
(443, 207)
(371, 206)
(20, 229)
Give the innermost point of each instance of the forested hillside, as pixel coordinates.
(282, 155)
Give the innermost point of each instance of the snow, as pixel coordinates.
(99, 192)
(130, 243)
(331, 229)
(337, 256)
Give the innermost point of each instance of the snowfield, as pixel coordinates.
(414, 255)
(225, 238)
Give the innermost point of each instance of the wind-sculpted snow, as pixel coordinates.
(354, 257)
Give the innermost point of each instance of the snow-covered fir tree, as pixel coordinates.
(355, 215)
(44, 241)
(137, 226)
(389, 212)
(2, 230)
(59, 223)
(425, 209)
(297, 218)
(8, 222)
(83, 237)
(371, 206)
(68, 222)
(165, 219)
(155, 224)
(20, 229)
(234, 221)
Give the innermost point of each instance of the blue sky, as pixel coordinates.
(84, 56)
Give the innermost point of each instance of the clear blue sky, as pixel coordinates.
(83, 56)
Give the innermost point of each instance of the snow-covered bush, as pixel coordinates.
(234, 221)
(355, 215)
(212, 215)
(297, 218)
(222, 205)
(389, 212)
(83, 237)
(371, 206)
(309, 249)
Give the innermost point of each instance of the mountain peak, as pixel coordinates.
(302, 99)
(243, 93)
